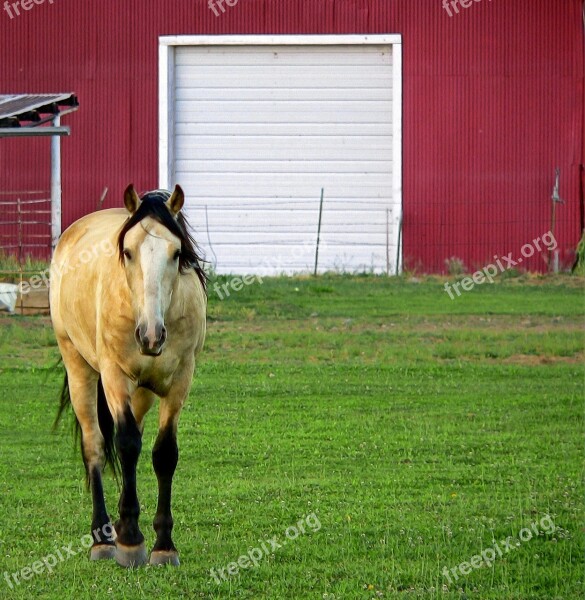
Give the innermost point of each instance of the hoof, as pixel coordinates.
(131, 556)
(102, 552)
(164, 557)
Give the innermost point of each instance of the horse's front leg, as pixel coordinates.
(165, 455)
(130, 547)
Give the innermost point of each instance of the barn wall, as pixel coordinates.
(493, 102)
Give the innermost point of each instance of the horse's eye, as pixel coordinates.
(128, 254)
(176, 255)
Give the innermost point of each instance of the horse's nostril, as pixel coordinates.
(150, 342)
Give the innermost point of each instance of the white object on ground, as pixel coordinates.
(8, 295)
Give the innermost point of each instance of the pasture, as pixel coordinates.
(391, 431)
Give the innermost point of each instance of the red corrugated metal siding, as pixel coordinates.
(493, 102)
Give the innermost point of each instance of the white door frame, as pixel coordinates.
(166, 81)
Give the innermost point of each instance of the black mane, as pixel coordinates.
(153, 205)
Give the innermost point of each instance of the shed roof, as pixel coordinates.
(31, 110)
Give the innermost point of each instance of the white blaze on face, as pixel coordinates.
(153, 263)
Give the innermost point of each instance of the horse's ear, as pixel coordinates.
(131, 199)
(176, 201)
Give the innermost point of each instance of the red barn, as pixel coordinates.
(434, 126)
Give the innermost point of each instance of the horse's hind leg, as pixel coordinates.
(83, 381)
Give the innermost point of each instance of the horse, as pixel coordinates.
(128, 306)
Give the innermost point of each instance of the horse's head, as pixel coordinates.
(154, 247)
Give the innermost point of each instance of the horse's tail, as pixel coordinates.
(105, 421)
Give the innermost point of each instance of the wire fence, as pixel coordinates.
(25, 238)
(25, 224)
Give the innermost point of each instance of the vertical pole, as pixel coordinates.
(398, 245)
(20, 248)
(55, 185)
(319, 231)
(553, 219)
(20, 232)
(387, 242)
(103, 197)
(20, 295)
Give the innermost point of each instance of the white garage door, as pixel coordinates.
(254, 131)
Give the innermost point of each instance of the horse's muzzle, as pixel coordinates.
(151, 343)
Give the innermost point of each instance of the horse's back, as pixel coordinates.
(91, 231)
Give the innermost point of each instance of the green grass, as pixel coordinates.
(10, 267)
(419, 430)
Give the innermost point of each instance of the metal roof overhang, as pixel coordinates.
(24, 115)
(33, 131)
(29, 111)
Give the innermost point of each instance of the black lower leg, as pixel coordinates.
(165, 456)
(101, 528)
(128, 445)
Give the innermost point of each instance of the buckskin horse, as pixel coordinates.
(129, 325)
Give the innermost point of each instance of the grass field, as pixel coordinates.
(403, 431)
